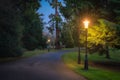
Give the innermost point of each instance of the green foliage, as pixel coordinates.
(19, 20)
(75, 11)
(102, 34)
(10, 29)
(51, 23)
(105, 31)
(67, 38)
(56, 21)
(44, 40)
(114, 10)
(33, 26)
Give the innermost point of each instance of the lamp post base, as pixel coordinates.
(86, 63)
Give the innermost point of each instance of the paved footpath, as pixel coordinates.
(42, 67)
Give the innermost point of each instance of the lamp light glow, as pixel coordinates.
(48, 40)
(86, 23)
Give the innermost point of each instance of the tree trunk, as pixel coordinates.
(57, 29)
(79, 57)
(107, 52)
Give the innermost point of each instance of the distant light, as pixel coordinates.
(86, 23)
(48, 40)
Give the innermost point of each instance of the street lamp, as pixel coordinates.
(48, 41)
(86, 23)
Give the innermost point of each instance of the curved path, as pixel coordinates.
(42, 67)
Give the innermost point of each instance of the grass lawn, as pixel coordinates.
(94, 73)
(29, 54)
(25, 55)
(34, 52)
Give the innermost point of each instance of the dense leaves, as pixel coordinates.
(67, 38)
(20, 26)
(104, 22)
(10, 29)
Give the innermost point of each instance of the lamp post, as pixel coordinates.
(48, 41)
(86, 23)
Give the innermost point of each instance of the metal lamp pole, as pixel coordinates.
(86, 23)
(48, 41)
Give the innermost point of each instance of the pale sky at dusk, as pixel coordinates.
(46, 9)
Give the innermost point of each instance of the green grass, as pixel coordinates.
(34, 52)
(29, 54)
(25, 55)
(115, 57)
(93, 73)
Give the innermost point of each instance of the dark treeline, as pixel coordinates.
(20, 27)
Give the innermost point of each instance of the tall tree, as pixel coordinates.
(67, 38)
(55, 4)
(114, 9)
(93, 10)
(75, 11)
(10, 28)
(33, 25)
(103, 34)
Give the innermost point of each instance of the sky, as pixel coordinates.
(46, 10)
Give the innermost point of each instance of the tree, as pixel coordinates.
(75, 11)
(93, 10)
(51, 23)
(33, 25)
(10, 29)
(103, 35)
(55, 4)
(113, 8)
(67, 38)
(19, 20)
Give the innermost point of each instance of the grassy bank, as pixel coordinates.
(94, 72)
(25, 55)
(34, 52)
